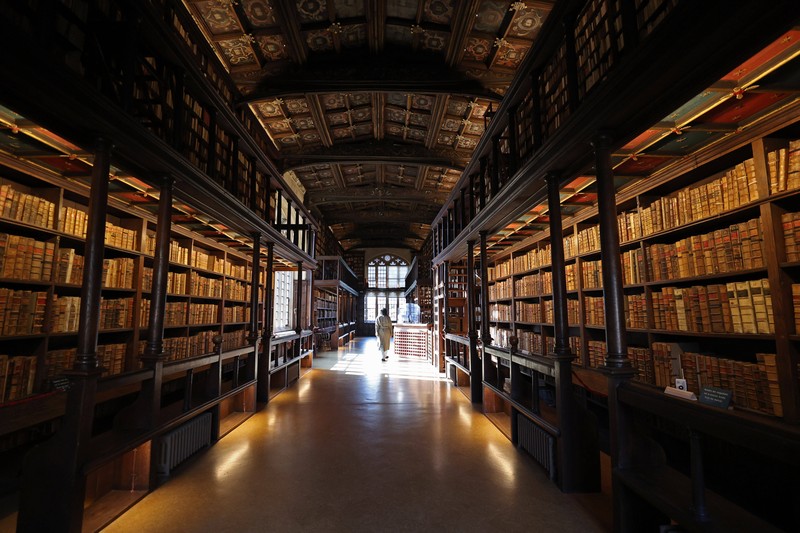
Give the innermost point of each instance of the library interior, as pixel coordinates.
(583, 217)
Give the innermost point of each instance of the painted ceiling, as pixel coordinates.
(374, 106)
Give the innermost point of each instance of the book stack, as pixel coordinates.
(116, 313)
(120, 237)
(500, 336)
(234, 339)
(597, 353)
(68, 267)
(734, 188)
(573, 312)
(636, 311)
(203, 286)
(530, 285)
(791, 235)
(738, 247)
(570, 246)
(26, 258)
(528, 312)
(111, 358)
(22, 312)
(26, 208)
(17, 377)
(575, 347)
(536, 258)
(592, 274)
(203, 313)
(589, 240)
(526, 341)
(65, 314)
(632, 267)
(784, 168)
(570, 272)
(118, 273)
(235, 290)
(796, 306)
(595, 310)
(547, 308)
(629, 225)
(501, 290)
(737, 307)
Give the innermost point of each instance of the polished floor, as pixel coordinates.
(359, 445)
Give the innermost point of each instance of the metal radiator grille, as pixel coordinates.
(538, 443)
(182, 442)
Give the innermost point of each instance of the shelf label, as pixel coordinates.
(715, 397)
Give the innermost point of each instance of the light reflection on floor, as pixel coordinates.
(362, 358)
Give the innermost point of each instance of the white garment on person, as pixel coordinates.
(384, 331)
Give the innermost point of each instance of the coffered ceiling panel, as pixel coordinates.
(376, 106)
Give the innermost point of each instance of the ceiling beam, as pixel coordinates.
(421, 217)
(385, 151)
(365, 194)
(363, 73)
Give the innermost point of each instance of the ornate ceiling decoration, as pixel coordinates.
(376, 106)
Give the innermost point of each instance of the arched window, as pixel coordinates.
(386, 281)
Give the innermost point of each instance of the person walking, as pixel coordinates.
(384, 332)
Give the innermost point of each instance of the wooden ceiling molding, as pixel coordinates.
(366, 98)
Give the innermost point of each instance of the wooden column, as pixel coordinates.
(254, 338)
(482, 183)
(475, 369)
(617, 368)
(614, 298)
(143, 413)
(486, 339)
(568, 449)
(262, 392)
(53, 483)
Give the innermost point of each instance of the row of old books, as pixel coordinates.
(796, 306)
(176, 281)
(500, 336)
(69, 267)
(595, 314)
(640, 359)
(235, 290)
(636, 311)
(534, 284)
(732, 249)
(206, 261)
(118, 273)
(182, 347)
(17, 377)
(116, 313)
(236, 314)
(203, 286)
(22, 312)
(501, 290)
(527, 312)
(499, 313)
(791, 235)
(26, 258)
(784, 168)
(535, 258)
(735, 188)
(111, 358)
(26, 208)
(571, 273)
(754, 384)
(232, 340)
(735, 307)
(74, 221)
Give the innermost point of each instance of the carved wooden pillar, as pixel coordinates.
(254, 337)
(475, 370)
(568, 439)
(269, 306)
(486, 339)
(53, 484)
(617, 368)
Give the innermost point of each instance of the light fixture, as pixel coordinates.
(335, 28)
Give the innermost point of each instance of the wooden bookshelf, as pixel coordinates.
(335, 297)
